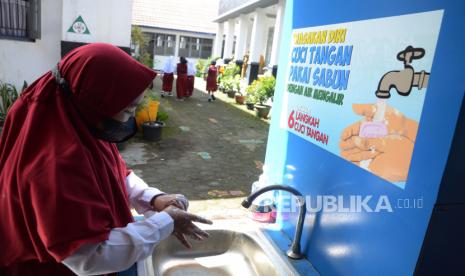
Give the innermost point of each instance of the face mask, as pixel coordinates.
(114, 131)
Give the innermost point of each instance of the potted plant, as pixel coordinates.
(240, 97)
(147, 117)
(251, 98)
(231, 79)
(231, 70)
(260, 91)
(233, 85)
(8, 95)
(152, 129)
(147, 109)
(268, 83)
(227, 83)
(261, 109)
(221, 84)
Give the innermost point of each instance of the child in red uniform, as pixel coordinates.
(181, 81)
(168, 77)
(190, 78)
(212, 86)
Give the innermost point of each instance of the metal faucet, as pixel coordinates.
(294, 251)
(404, 80)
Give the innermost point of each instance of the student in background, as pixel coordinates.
(181, 80)
(212, 85)
(168, 77)
(190, 78)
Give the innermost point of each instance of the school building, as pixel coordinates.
(250, 27)
(177, 28)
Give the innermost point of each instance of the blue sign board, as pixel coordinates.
(366, 104)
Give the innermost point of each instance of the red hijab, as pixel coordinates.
(60, 187)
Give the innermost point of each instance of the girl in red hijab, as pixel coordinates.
(65, 193)
(212, 86)
(181, 80)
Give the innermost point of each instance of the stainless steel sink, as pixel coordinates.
(230, 250)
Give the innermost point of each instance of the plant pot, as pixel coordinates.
(231, 94)
(250, 106)
(262, 111)
(147, 113)
(152, 130)
(240, 99)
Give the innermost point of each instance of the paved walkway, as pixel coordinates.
(210, 152)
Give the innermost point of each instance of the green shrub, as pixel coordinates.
(232, 83)
(8, 95)
(142, 40)
(201, 66)
(268, 84)
(230, 80)
(261, 90)
(231, 70)
(162, 115)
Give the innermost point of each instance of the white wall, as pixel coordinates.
(26, 61)
(107, 20)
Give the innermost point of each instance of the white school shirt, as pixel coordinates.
(191, 69)
(169, 66)
(125, 245)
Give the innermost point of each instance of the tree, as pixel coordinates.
(141, 41)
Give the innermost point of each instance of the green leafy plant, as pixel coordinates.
(162, 116)
(8, 95)
(220, 81)
(140, 39)
(232, 83)
(250, 92)
(200, 67)
(261, 90)
(230, 80)
(149, 96)
(268, 84)
(231, 70)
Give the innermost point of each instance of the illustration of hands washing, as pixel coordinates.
(382, 142)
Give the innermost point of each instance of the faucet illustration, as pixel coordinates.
(294, 251)
(404, 80)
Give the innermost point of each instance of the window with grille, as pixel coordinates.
(164, 44)
(20, 19)
(195, 47)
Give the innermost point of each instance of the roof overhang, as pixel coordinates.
(246, 8)
(161, 29)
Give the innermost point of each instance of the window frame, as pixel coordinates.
(195, 47)
(164, 48)
(32, 17)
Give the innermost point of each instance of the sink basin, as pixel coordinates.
(227, 252)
